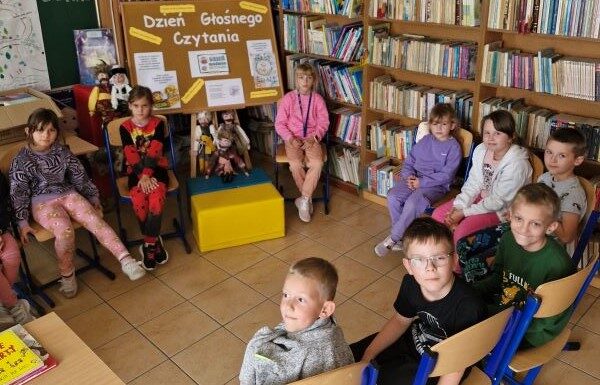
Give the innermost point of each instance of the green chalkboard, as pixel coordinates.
(58, 19)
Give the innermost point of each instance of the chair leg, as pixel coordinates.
(27, 279)
(531, 375)
(181, 233)
(94, 263)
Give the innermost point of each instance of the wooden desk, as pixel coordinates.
(347, 375)
(77, 364)
(77, 146)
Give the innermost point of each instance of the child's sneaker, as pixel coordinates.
(161, 255)
(148, 253)
(398, 246)
(21, 312)
(68, 286)
(132, 269)
(384, 247)
(303, 205)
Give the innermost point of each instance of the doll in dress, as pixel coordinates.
(202, 143)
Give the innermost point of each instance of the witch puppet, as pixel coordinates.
(202, 146)
(119, 93)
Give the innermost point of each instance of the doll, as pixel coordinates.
(202, 143)
(119, 94)
(99, 100)
(225, 160)
(240, 139)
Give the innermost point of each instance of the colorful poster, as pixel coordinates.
(22, 54)
(263, 66)
(163, 84)
(95, 48)
(211, 62)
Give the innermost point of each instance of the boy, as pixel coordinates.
(431, 305)
(565, 150)
(308, 341)
(528, 257)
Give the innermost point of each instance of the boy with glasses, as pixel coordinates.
(432, 305)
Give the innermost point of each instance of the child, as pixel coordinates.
(564, 151)
(528, 257)
(308, 341)
(48, 183)
(431, 305)
(426, 175)
(499, 168)
(302, 121)
(19, 310)
(143, 138)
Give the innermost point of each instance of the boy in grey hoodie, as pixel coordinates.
(308, 341)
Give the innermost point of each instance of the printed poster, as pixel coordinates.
(95, 47)
(224, 92)
(263, 67)
(211, 62)
(164, 87)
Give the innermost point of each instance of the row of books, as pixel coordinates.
(389, 138)
(263, 112)
(349, 8)
(345, 125)
(576, 18)
(337, 81)
(545, 71)
(312, 34)
(534, 124)
(415, 101)
(381, 175)
(419, 53)
(460, 12)
(344, 162)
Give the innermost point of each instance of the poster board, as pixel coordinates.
(203, 54)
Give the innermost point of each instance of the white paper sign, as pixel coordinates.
(208, 63)
(262, 63)
(148, 61)
(224, 92)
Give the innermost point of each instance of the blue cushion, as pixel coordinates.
(214, 183)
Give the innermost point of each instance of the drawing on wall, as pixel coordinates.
(94, 47)
(22, 54)
(263, 67)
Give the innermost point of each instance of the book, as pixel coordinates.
(94, 47)
(22, 357)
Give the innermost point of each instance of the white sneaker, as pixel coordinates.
(384, 247)
(303, 205)
(398, 246)
(68, 286)
(132, 269)
(21, 312)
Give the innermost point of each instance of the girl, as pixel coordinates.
(425, 177)
(143, 139)
(49, 183)
(19, 310)
(302, 121)
(500, 167)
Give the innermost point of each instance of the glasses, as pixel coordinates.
(420, 262)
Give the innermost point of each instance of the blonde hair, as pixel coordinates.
(320, 270)
(539, 194)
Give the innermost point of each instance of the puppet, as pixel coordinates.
(119, 94)
(240, 139)
(202, 143)
(225, 160)
(99, 100)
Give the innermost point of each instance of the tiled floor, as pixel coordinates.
(189, 321)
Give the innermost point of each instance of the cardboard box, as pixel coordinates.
(13, 115)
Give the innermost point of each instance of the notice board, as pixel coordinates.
(203, 54)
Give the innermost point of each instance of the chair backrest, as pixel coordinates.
(346, 375)
(470, 345)
(114, 135)
(7, 156)
(590, 195)
(537, 165)
(589, 222)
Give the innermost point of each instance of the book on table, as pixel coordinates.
(22, 357)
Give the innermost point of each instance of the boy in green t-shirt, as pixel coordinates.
(528, 257)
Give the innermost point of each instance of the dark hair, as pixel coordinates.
(503, 121)
(441, 111)
(424, 229)
(38, 120)
(139, 92)
(570, 136)
(541, 195)
(321, 271)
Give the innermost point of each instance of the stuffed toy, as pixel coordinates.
(240, 140)
(99, 101)
(225, 160)
(202, 145)
(119, 94)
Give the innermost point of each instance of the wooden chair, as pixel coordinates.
(112, 137)
(537, 166)
(549, 299)
(359, 373)
(590, 220)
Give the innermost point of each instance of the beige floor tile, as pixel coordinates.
(559, 373)
(364, 254)
(145, 302)
(593, 291)
(165, 373)
(583, 308)
(398, 273)
(591, 319)
(379, 296)
(355, 198)
(378, 207)
(342, 206)
(235, 381)
(194, 278)
(227, 300)
(585, 359)
(266, 277)
(341, 237)
(235, 259)
(68, 308)
(177, 255)
(200, 363)
(273, 246)
(99, 325)
(368, 220)
(178, 328)
(357, 321)
(353, 276)
(130, 355)
(265, 314)
(307, 248)
(319, 222)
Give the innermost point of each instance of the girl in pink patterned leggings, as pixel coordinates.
(49, 183)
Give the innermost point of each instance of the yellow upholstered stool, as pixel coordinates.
(237, 216)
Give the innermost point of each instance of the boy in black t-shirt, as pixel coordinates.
(432, 305)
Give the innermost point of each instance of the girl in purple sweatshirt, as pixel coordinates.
(425, 177)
